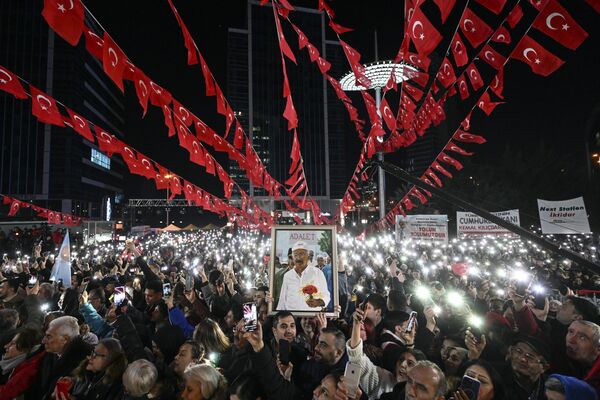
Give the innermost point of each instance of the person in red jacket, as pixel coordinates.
(20, 364)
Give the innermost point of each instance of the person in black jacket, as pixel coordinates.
(65, 351)
(99, 376)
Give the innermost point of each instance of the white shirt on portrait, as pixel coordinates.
(291, 297)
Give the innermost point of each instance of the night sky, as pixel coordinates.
(555, 109)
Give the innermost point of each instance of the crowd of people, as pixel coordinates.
(163, 317)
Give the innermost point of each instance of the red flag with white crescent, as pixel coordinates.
(142, 88)
(486, 104)
(182, 113)
(501, 35)
(210, 164)
(302, 39)
(80, 125)
(290, 114)
(467, 137)
(463, 90)
(187, 38)
(474, 28)
(515, 15)
(113, 61)
(106, 142)
(9, 82)
(197, 152)
(423, 34)
(208, 79)
(167, 114)
(147, 166)
(474, 77)
(159, 96)
(44, 107)
(451, 146)
(446, 74)
(557, 23)
(339, 29)
(438, 167)
(492, 57)
(388, 115)
(238, 140)
(65, 17)
(94, 44)
(445, 158)
(540, 60)
(459, 51)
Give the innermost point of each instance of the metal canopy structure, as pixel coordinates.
(160, 203)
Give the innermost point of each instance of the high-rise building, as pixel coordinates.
(255, 88)
(51, 165)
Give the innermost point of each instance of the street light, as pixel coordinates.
(379, 73)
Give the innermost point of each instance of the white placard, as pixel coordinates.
(431, 228)
(472, 225)
(563, 217)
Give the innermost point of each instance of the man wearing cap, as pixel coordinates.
(293, 294)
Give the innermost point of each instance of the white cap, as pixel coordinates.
(300, 245)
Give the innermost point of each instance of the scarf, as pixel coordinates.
(8, 365)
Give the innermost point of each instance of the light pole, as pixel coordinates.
(167, 209)
(378, 73)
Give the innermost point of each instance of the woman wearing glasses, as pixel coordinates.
(99, 375)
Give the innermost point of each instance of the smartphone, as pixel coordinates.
(166, 290)
(250, 317)
(119, 295)
(32, 281)
(412, 319)
(471, 387)
(284, 351)
(539, 301)
(521, 289)
(351, 378)
(63, 386)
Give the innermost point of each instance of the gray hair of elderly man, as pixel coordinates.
(442, 385)
(595, 327)
(65, 326)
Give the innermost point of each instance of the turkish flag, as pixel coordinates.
(423, 34)
(94, 43)
(295, 154)
(113, 61)
(339, 29)
(474, 77)
(210, 164)
(475, 30)
(147, 166)
(9, 82)
(497, 84)
(459, 51)
(407, 203)
(54, 217)
(418, 61)
(189, 191)
(182, 113)
(415, 192)
(539, 4)
(433, 176)
(353, 57)
(494, 6)
(302, 39)
(541, 61)
(438, 167)
(486, 104)
(238, 140)
(44, 107)
(515, 15)
(15, 206)
(283, 44)
(106, 142)
(169, 120)
(492, 57)
(467, 137)
(65, 17)
(463, 90)
(161, 177)
(323, 65)
(229, 117)
(209, 81)
(446, 74)
(415, 93)
(388, 115)
(445, 7)
(159, 96)
(290, 114)
(142, 87)
(175, 186)
(313, 53)
(325, 7)
(81, 125)
(557, 23)
(445, 158)
(451, 146)
(197, 152)
(501, 35)
(187, 38)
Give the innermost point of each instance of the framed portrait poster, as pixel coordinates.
(303, 270)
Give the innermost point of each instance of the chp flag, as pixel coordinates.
(62, 266)
(469, 225)
(428, 228)
(563, 217)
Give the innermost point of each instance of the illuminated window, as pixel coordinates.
(100, 159)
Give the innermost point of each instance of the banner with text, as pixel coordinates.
(563, 217)
(472, 225)
(432, 228)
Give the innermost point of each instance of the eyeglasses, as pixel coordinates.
(530, 358)
(93, 354)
